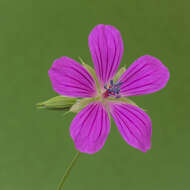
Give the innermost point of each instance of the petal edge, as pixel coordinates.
(69, 78)
(90, 128)
(146, 75)
(106, 47)
(133, 124)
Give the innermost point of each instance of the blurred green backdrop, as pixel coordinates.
(35, 144)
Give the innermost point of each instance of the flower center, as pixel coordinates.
(112, 90)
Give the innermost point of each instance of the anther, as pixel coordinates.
(112, 89)
(111, 83)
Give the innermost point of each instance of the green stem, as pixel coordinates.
(68, 170)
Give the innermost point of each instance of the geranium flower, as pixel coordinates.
(106, 96)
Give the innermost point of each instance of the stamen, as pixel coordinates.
(112, 90)
(118, 84)
(111, 83)
(117, 90)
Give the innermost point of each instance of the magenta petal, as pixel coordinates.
(69, 78)
(146, 75)
(90, 128)
(106, 47)
(133, 124)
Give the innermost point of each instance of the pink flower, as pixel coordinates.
(91, 126)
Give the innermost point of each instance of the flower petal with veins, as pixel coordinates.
(146, 75)
(90, 128)
(133, 124)
(69, 78)
(106, 47)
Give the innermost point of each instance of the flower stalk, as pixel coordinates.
(68, 171)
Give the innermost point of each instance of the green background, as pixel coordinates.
(35, 145)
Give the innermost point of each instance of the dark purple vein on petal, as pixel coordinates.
(100, 58)
(107, 59)
(93, 122)
(136, 116)
(98, 62)
(140, 112)
(121, 125)
(117, 45)
(132, 82)
(83, 115)
(77, 87)
(102, 114)
(86, 78)
(85, 119)
(144, 85)
(116, 60)
(133, 73)
(77, 70)
(134, 113)
(80, 82)
(126, 123)
(147, 125)
(130, 121)
(113, 60)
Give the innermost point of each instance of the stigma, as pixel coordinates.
(112, 90)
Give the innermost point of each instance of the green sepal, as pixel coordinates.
(119, 73)
(124, 100)
(58, 102)
(80, 104)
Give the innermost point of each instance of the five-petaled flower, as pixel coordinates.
(91, 126)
